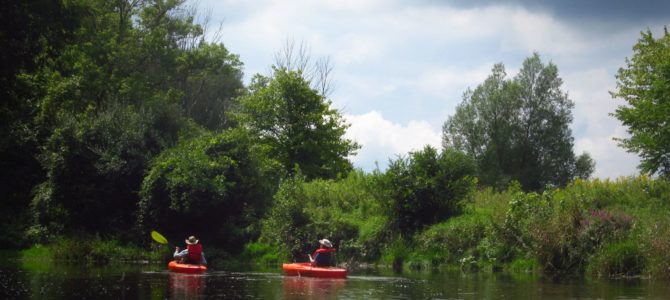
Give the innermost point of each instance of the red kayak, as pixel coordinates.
(306, 269)
(186, 268)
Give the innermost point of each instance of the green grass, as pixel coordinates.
(92, 250)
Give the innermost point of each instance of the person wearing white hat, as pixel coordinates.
(323, 256)
(192, 254)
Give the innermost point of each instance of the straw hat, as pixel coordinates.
(192, 240)
(326, 243)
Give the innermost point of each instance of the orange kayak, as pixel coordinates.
(186, 268)
(306, 269)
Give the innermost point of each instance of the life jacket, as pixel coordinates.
(323, 257)
(194, 253)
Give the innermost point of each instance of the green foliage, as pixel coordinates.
(396, 253)
(215, 186)
(426, 188)
(130, 77)
(346, 211)
(584, 166)
(90, 249)
(298, 124)
(95, 162)
(32, 33)
(619, 259)
(644, 84)
(454, 238)
(262, 253)
(518, 129)
(286, 225)
(604, 228)
(524, 265)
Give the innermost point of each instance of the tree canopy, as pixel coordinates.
(518, 129)
(124, 87)
(644, 83)
(298, 124)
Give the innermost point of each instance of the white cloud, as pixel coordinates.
(382, 139)
(593, 127)
(411, 62)
(442, 81)
(611, 160)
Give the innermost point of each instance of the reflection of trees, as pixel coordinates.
(186, 286)
(312, 288)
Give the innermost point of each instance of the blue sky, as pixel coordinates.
(401, 67)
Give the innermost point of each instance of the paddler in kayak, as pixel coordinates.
(192, 254)
(323, 256)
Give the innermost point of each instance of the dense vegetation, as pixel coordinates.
(119, 117)
(644, 83)
(518, 129)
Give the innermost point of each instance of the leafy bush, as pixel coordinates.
(453, 238)
(618, 259)
(215, 186)
(93, 249)
(95, 162)
(427, 188)
(346, 211)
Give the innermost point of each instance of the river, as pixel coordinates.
(48, 280)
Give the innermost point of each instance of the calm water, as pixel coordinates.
(36, 280)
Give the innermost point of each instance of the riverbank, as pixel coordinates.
(602, 229)
(596, 228)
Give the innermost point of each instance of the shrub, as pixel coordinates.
(215, 185)
(427, 188)
(453, 238)
(618, 259)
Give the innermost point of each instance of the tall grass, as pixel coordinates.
(602, 228)
(92, 250)
(605, 228)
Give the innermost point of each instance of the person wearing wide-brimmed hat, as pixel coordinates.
(323, 256)
(192, 254)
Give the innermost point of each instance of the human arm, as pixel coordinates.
(180, 254)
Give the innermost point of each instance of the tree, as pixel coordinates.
(297, 124)
(31, 34)
(217, 185)
(517, 129)
(584, 166)
(644, 83)
(427, 187)
(484, 124)
(134, 78)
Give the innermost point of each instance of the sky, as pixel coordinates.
(400, 67)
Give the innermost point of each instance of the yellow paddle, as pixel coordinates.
(159, 238)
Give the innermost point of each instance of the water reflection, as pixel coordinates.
(311, 288)
(187, 286)
(22, 280)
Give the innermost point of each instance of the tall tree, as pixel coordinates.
(32, 33)
(135, 76)
(298, 124)
(644, 83)
(518, 129)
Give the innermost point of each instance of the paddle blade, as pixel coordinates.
(158, 237)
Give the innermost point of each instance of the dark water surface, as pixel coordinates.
(47, 280)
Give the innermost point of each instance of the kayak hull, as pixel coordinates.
(306, 269)
(174, 266)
